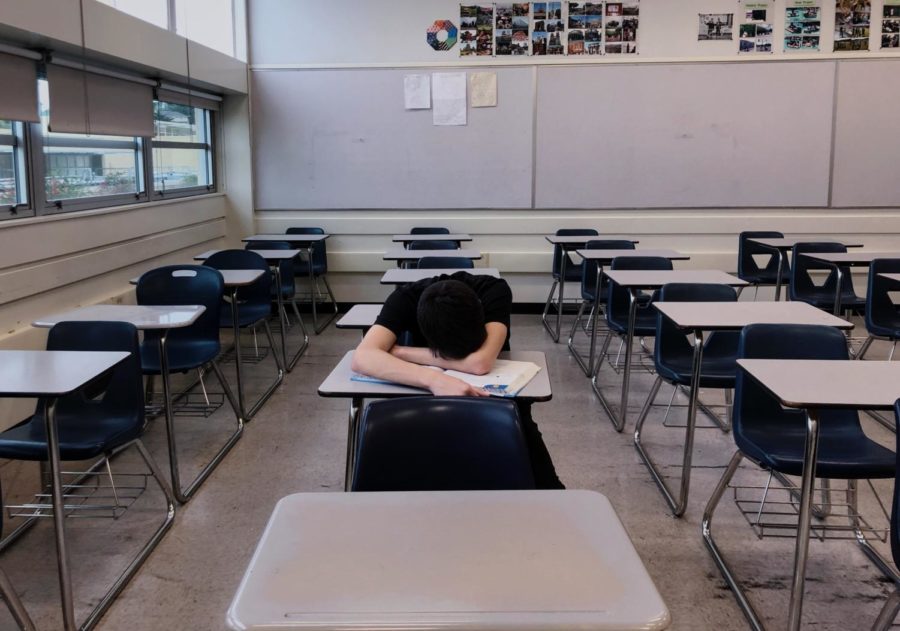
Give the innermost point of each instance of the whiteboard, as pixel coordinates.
(342, 139)
(684, 135)
(867, 134)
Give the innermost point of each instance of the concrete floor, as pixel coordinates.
(297, 443)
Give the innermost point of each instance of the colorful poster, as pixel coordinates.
(548, 30)
(476, 34)
(890, 24)
(577, 23)
(511, 29)
(852, 21)
(802, 26)
(715, 27)
(630, 22)
(755, 31)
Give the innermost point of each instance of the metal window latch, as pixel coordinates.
(14, 209)
(58, 204)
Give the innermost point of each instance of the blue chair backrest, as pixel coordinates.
(671, 342)
(121, 392)
(617, 299)
(589, 277)
(257, 293)
(746, 264)
(442, 444)
(433, 245)
(429, 230)
(558, 251)
(285, 267)
(801, 281)
(755, 410)
(880, 310)
(445, 262)
(184, 285)
(319, 250)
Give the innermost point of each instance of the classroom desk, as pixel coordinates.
(409, 238)
(601, 258)
(398, 276)
(699, 317)
(360, 317)
(781, 246)
(274, 258)
(450, 560)
(404, 256)
(816, 385)
(234, 280)
(51, 375)
(307, 243)
(836, 260)
(162, 319)
(338, 384)
(634, 281)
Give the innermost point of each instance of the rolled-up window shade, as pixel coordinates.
(18, 99)
(182, 99)
(114, 106)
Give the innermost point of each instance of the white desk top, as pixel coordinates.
(288, 238)
(359, 317)
(789, 242)
(409, 255)
(485, 560)
(580, 240)
(338, 383)
(399, 276)
(269, 255)
(851, 258)
(828, 384)
(141, 316)
(409, 238)
(609, 255)
(232, 277)
(711, 316)
(51, 373)
(893, 277)
(654, 279)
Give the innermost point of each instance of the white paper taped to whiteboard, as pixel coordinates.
(483, 88)
(417, 91)
(448, 92)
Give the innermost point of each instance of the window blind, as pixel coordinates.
(19, 97)
(182, 99)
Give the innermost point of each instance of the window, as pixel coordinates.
(13, 180)
(207, 22)
(182, 149)
(154, 11)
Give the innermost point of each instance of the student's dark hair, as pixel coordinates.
(451, 318)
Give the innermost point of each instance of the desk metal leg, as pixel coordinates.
(801, 550)
(561, 286)
(839, 275)
(280, 300)
(313, 292)
(778, 282)
(618, 420)
(356, 405)
(588, 367)
(679, 505)
(59, 516)
(236, 329)
(19, 614)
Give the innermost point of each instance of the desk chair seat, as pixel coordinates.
(183, 354)
(445, 262)
(442, 444)
(618, 297)
(803, 288)
(774, 437)
(749, 270)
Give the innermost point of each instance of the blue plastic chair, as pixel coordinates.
(429, 230)
(803, 288)
(882, 315)
(588, 297)
(889, 612)
(749, 270)
(774, 437)
(433, 245)
(315, 267)
(101, 422)
(189, 348)
(573, 274)
(445, 262)
(441, 444)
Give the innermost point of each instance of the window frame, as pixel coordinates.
(21, 150)
(212, 166)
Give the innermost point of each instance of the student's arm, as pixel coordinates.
(373, 358)
(478, 363)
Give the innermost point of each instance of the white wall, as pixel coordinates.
(291, 36)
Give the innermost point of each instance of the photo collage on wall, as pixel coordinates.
(802, 26)
(890, 24)
(755, 32)
(852, 22)
(715, 27)
(549, 28)
(476, 34)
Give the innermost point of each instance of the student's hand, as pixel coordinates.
(446, 386)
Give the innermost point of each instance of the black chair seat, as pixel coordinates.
(644, 322)
(883, 330)
(824, 299)
(842, 455)
(248, 314)
(716, 371)
(767, 278)
(301, 268)
(183, 355)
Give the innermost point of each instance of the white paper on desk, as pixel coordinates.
(484, 89)
(448, 94)
(417, 91)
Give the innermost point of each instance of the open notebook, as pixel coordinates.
(506, 379)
